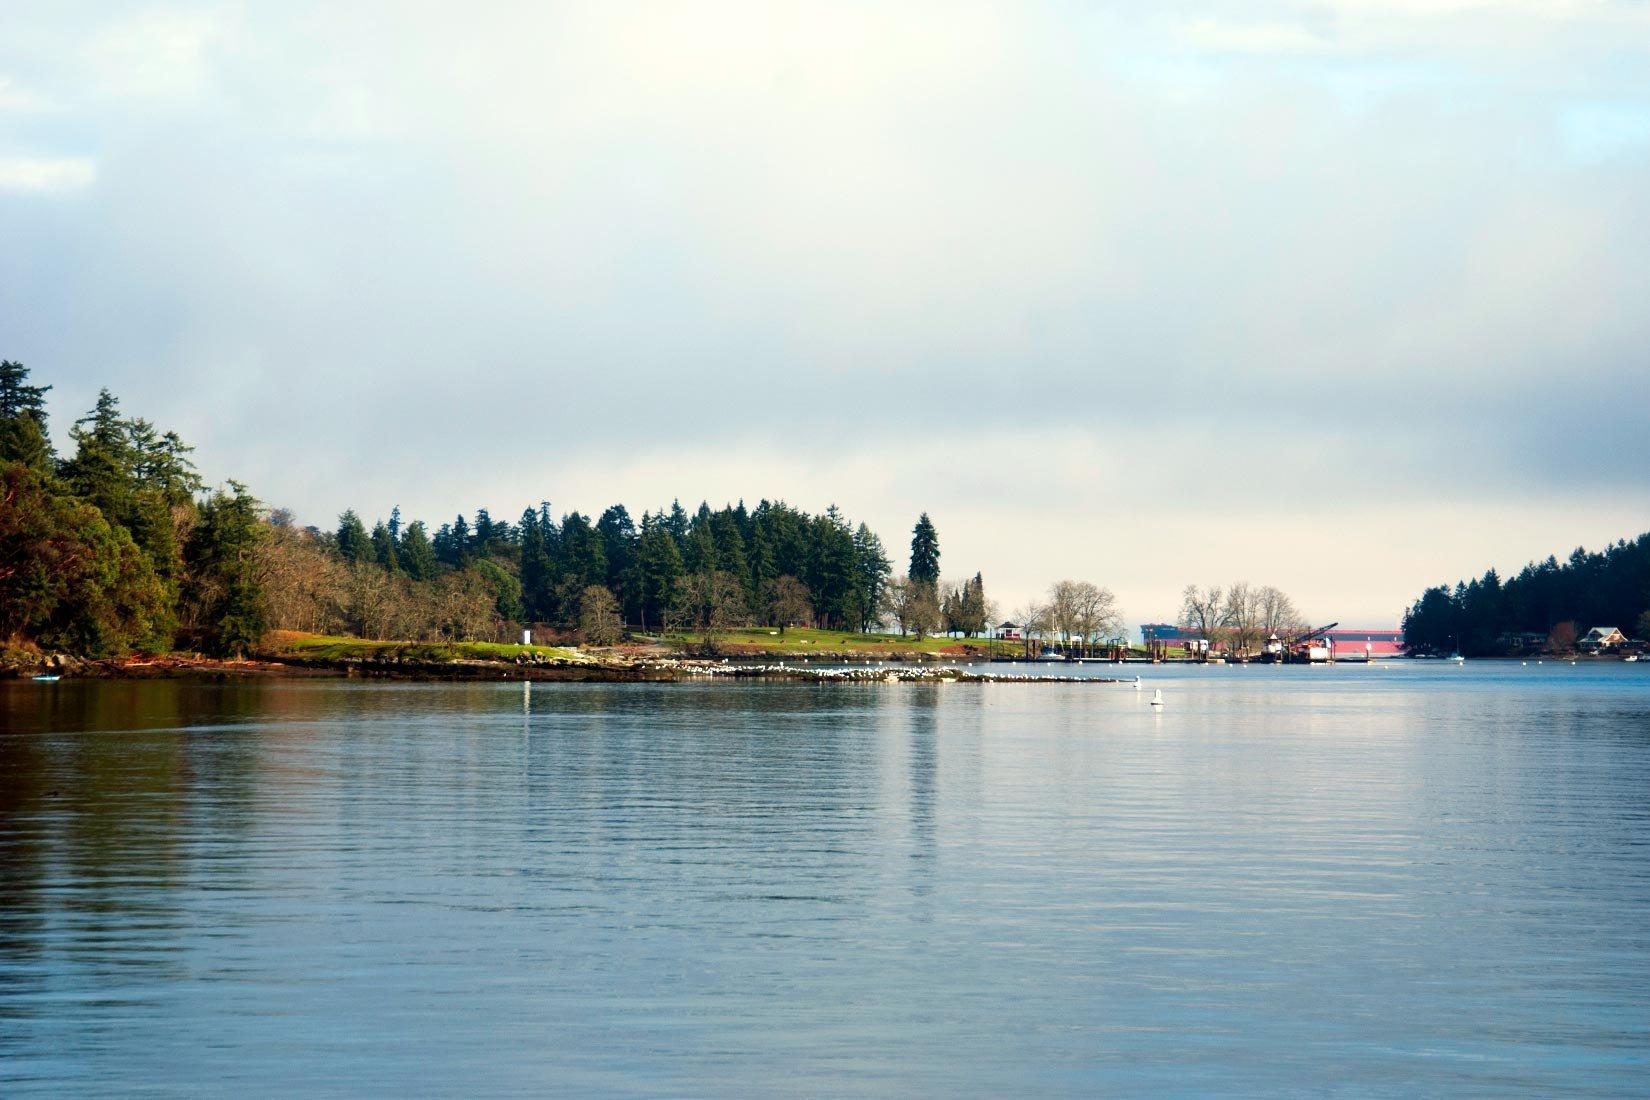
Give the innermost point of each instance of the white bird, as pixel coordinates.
(1137, 683)
(1157, 697)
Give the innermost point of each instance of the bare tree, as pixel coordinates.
(709, 603)
(1083, 611)
(896, 602)
(786, 600)
(1203, 611)
(1278, 617)
(914, 606)
(1243, 619)
(599, 616)
(1034, 622)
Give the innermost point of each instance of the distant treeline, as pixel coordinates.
(1545, 606)
(118, 548)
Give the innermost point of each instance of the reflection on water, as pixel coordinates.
(1388, 880)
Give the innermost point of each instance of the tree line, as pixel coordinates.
(1240, 618)
(1545, 606)
(116, 547)
(119, 547)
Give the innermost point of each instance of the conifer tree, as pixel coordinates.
(227, 604)
(416, 554)
(925, 552)
(353, 543)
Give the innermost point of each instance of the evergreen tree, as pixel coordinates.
(533, 567)
(618, 535)
(677, 523)
(17, 397)
(659, 567)
(384, 550)
(227, 604)
(485, 532)
(831, 570)
(925, 552)
(417, 556)
(871, 572)
(353, 543)
(23, 436)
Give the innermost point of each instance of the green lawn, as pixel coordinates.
(802, 641)
(321, 647)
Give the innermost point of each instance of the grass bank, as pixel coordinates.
(842, 645)
(328, 649)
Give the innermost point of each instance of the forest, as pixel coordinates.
(1545, 607)
(119, 547)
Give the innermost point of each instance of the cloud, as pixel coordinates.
(37, 174)
(883, 255)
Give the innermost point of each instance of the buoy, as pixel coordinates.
(1137, 683)
(1157, 697)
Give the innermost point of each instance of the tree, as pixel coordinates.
(925, 553)
(831, 569)
(914, 606)
(786, 601)
(1277, 614)
(23, 435)
(658, 570)
(1083, 611)
(17, 397)
(599, 616)
(70, 580)
(227, 611)
(417, 556)
(1203, 611)
(353, 543)
(871, 572)
(708, 603)
(505, 589)
(384, 550)
(1242, 614)
(1562, 638)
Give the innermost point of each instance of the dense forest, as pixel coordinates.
(119, 547)
(1545, 607)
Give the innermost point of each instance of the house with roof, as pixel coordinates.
(1599, 639)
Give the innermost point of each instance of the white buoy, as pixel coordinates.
(1157, 697)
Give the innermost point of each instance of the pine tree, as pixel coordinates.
(417, 555)
(228, 612)
(384, 550)
(659, 567)
(925, 552)
(871, 572)
(23, 436)
(353, 543)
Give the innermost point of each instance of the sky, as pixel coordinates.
(1347, 297)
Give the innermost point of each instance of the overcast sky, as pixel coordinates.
(1348, 297)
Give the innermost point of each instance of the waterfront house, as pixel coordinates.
(1599, 639)
(1008, 632)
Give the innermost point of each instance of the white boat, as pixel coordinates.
(47, 679)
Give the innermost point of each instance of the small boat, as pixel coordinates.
(1631, 658)
(47, 678)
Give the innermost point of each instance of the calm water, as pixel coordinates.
(1389, 880)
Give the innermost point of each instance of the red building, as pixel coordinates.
(1353, 642)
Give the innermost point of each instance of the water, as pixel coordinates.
(1389, 880)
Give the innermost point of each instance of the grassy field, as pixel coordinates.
(321, 647)
(800, 642)
(748, 642)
